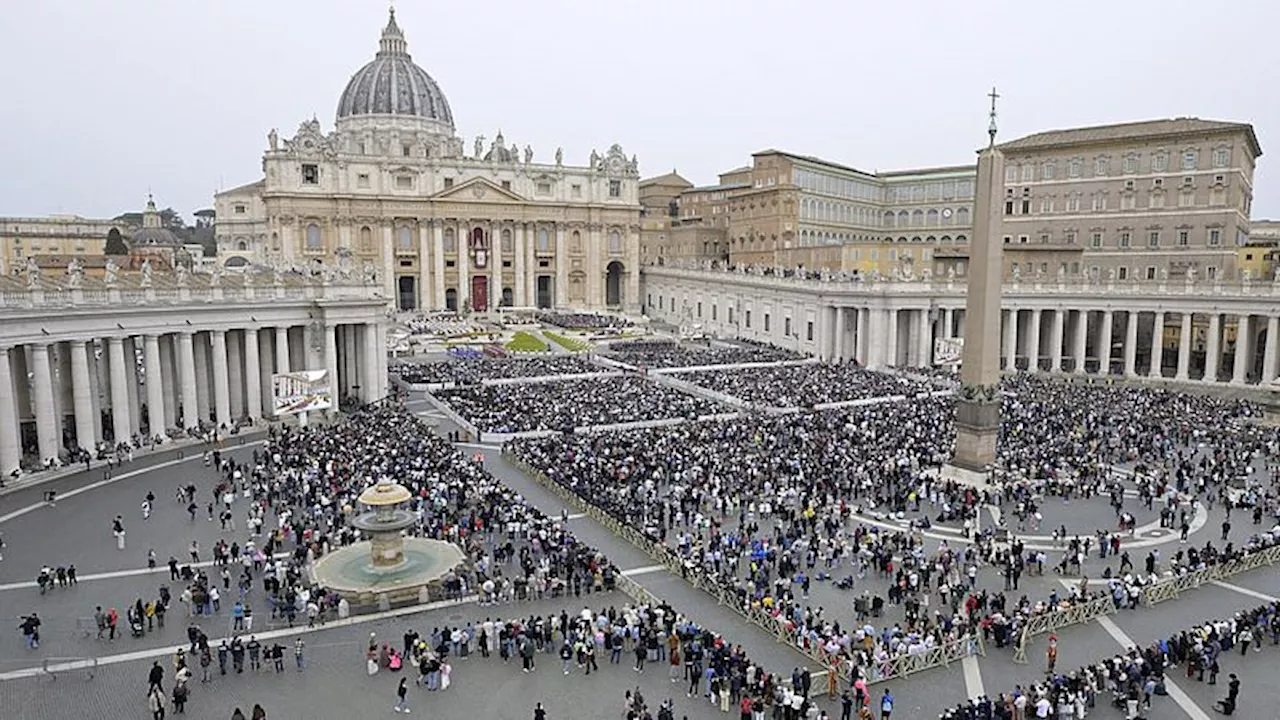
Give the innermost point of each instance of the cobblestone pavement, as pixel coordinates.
(335, 685)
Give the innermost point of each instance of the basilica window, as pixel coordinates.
(576, 241)
(404, 238)
(404, 182)
(544, 240)
(310, 174)
(239, 209)
(615, 243)
(366, 239)
(450, 241)
(362, 180)
(544, 188)
(506, 240)
(448, 183)
(615, 188)
(313, 237)
(575, 190)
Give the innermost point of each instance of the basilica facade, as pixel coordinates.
(394, 190)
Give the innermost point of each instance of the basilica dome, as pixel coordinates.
(393, 85)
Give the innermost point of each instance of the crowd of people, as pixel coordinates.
(804, 385)
(666, 353)
(584, 321)
(470, 371)
(562, 405)
(440, 325)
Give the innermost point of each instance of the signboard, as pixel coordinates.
(301, 391)
(947, 351)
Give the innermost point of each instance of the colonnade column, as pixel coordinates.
(46, 427)
(891, 335)
(1157, 346)
(1011, 340)
(252, 373)
(1057, 322)
(282, 350)
(1184, 348)
(1033, 341)
(1130, 344)
(187, 373)
(838, 349)
(861, 348)
(948, 323)
(1244, 350)
(10, 450)
(121, 419)
(235, 374)
(1213, 348)
(82, 395)
(1104, 343)
(331, 364)
(1268, 350)
(221, 390)
(924, 341)
(155, 387)
(370, 332)
(517, 240)
(1081, 344)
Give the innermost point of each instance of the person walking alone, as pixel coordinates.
(156, 703)
(402, 692)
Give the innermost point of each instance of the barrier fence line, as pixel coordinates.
(775, 625)
(1084, 612)
(1170, 588)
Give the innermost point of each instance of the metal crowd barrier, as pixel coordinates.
(1170, 588)
(896, 667)
(1083, 612)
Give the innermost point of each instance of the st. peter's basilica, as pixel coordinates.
(393, 189)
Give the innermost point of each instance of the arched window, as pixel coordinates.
(889, 218)
(615, 242)
(366, 239)
(313, 237)
(962, 216)
(931, 218)
(404, 238)
(506, 240)
(917, 218)
(242, 245)
(575, 241)
(450, 241)
(903, 219)
(961, 239)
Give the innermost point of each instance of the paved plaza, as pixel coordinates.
(334, 683)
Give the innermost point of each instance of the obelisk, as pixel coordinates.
(978, 404)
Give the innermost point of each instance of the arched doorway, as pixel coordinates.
(613, 284)
(508, 297)
(451, 300)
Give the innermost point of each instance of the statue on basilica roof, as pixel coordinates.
(528, 154)
(559, 156)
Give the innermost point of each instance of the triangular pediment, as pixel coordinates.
(479, 190)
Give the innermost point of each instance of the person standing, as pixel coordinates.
(539, 712)
(117, 529)
(402, 691)
(155, 702)
(886, 705)
(298, 659)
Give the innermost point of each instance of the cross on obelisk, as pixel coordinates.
(978, 403)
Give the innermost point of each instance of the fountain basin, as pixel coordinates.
(354, 573)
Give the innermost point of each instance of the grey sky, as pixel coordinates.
(107, 98)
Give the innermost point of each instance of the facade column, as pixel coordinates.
(437, 263)
(46, 425)
(81, 395)
(1033, 341)
(10, 449)
(121, 419)
(187, 373)
(517, 239)
(1157, 346)
(1131, 344)
(531, 263)
(838, 348)
(1268, 351)
(1184, 348)
(221, 379)
(1057, 321)
(389, 265)
(1104, 343)
(1081, 337)
(1011, 340)
(464, 272)
(425, 285)
(948, 323)
(331, 364)
(282, 350)
(562, 268)
(155, 386)
(1213, 349)
(252, 374)
(495, 267)
(1244, 350)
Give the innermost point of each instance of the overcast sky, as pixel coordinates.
(107, 98)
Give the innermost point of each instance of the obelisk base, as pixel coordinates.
(977, 427)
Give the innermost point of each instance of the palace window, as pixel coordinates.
(1131, 163)
(406, 150)
(1153, 239)
(1011, 173)
(615, 188)
(1073, 168)
(310, 174)
(1160, 162)
(575, 190)
(1028, 172)
(1184, 238)
(1101, 166)
(1189, 159)
(1221, 157)
(1215, 237)
(1125, 239)
(1048, 170)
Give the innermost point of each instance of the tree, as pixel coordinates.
(116, 244)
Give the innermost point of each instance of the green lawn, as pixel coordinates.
(526, 342)
(568, 343)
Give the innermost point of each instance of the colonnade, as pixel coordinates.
(61, 395)
(1238, 348)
